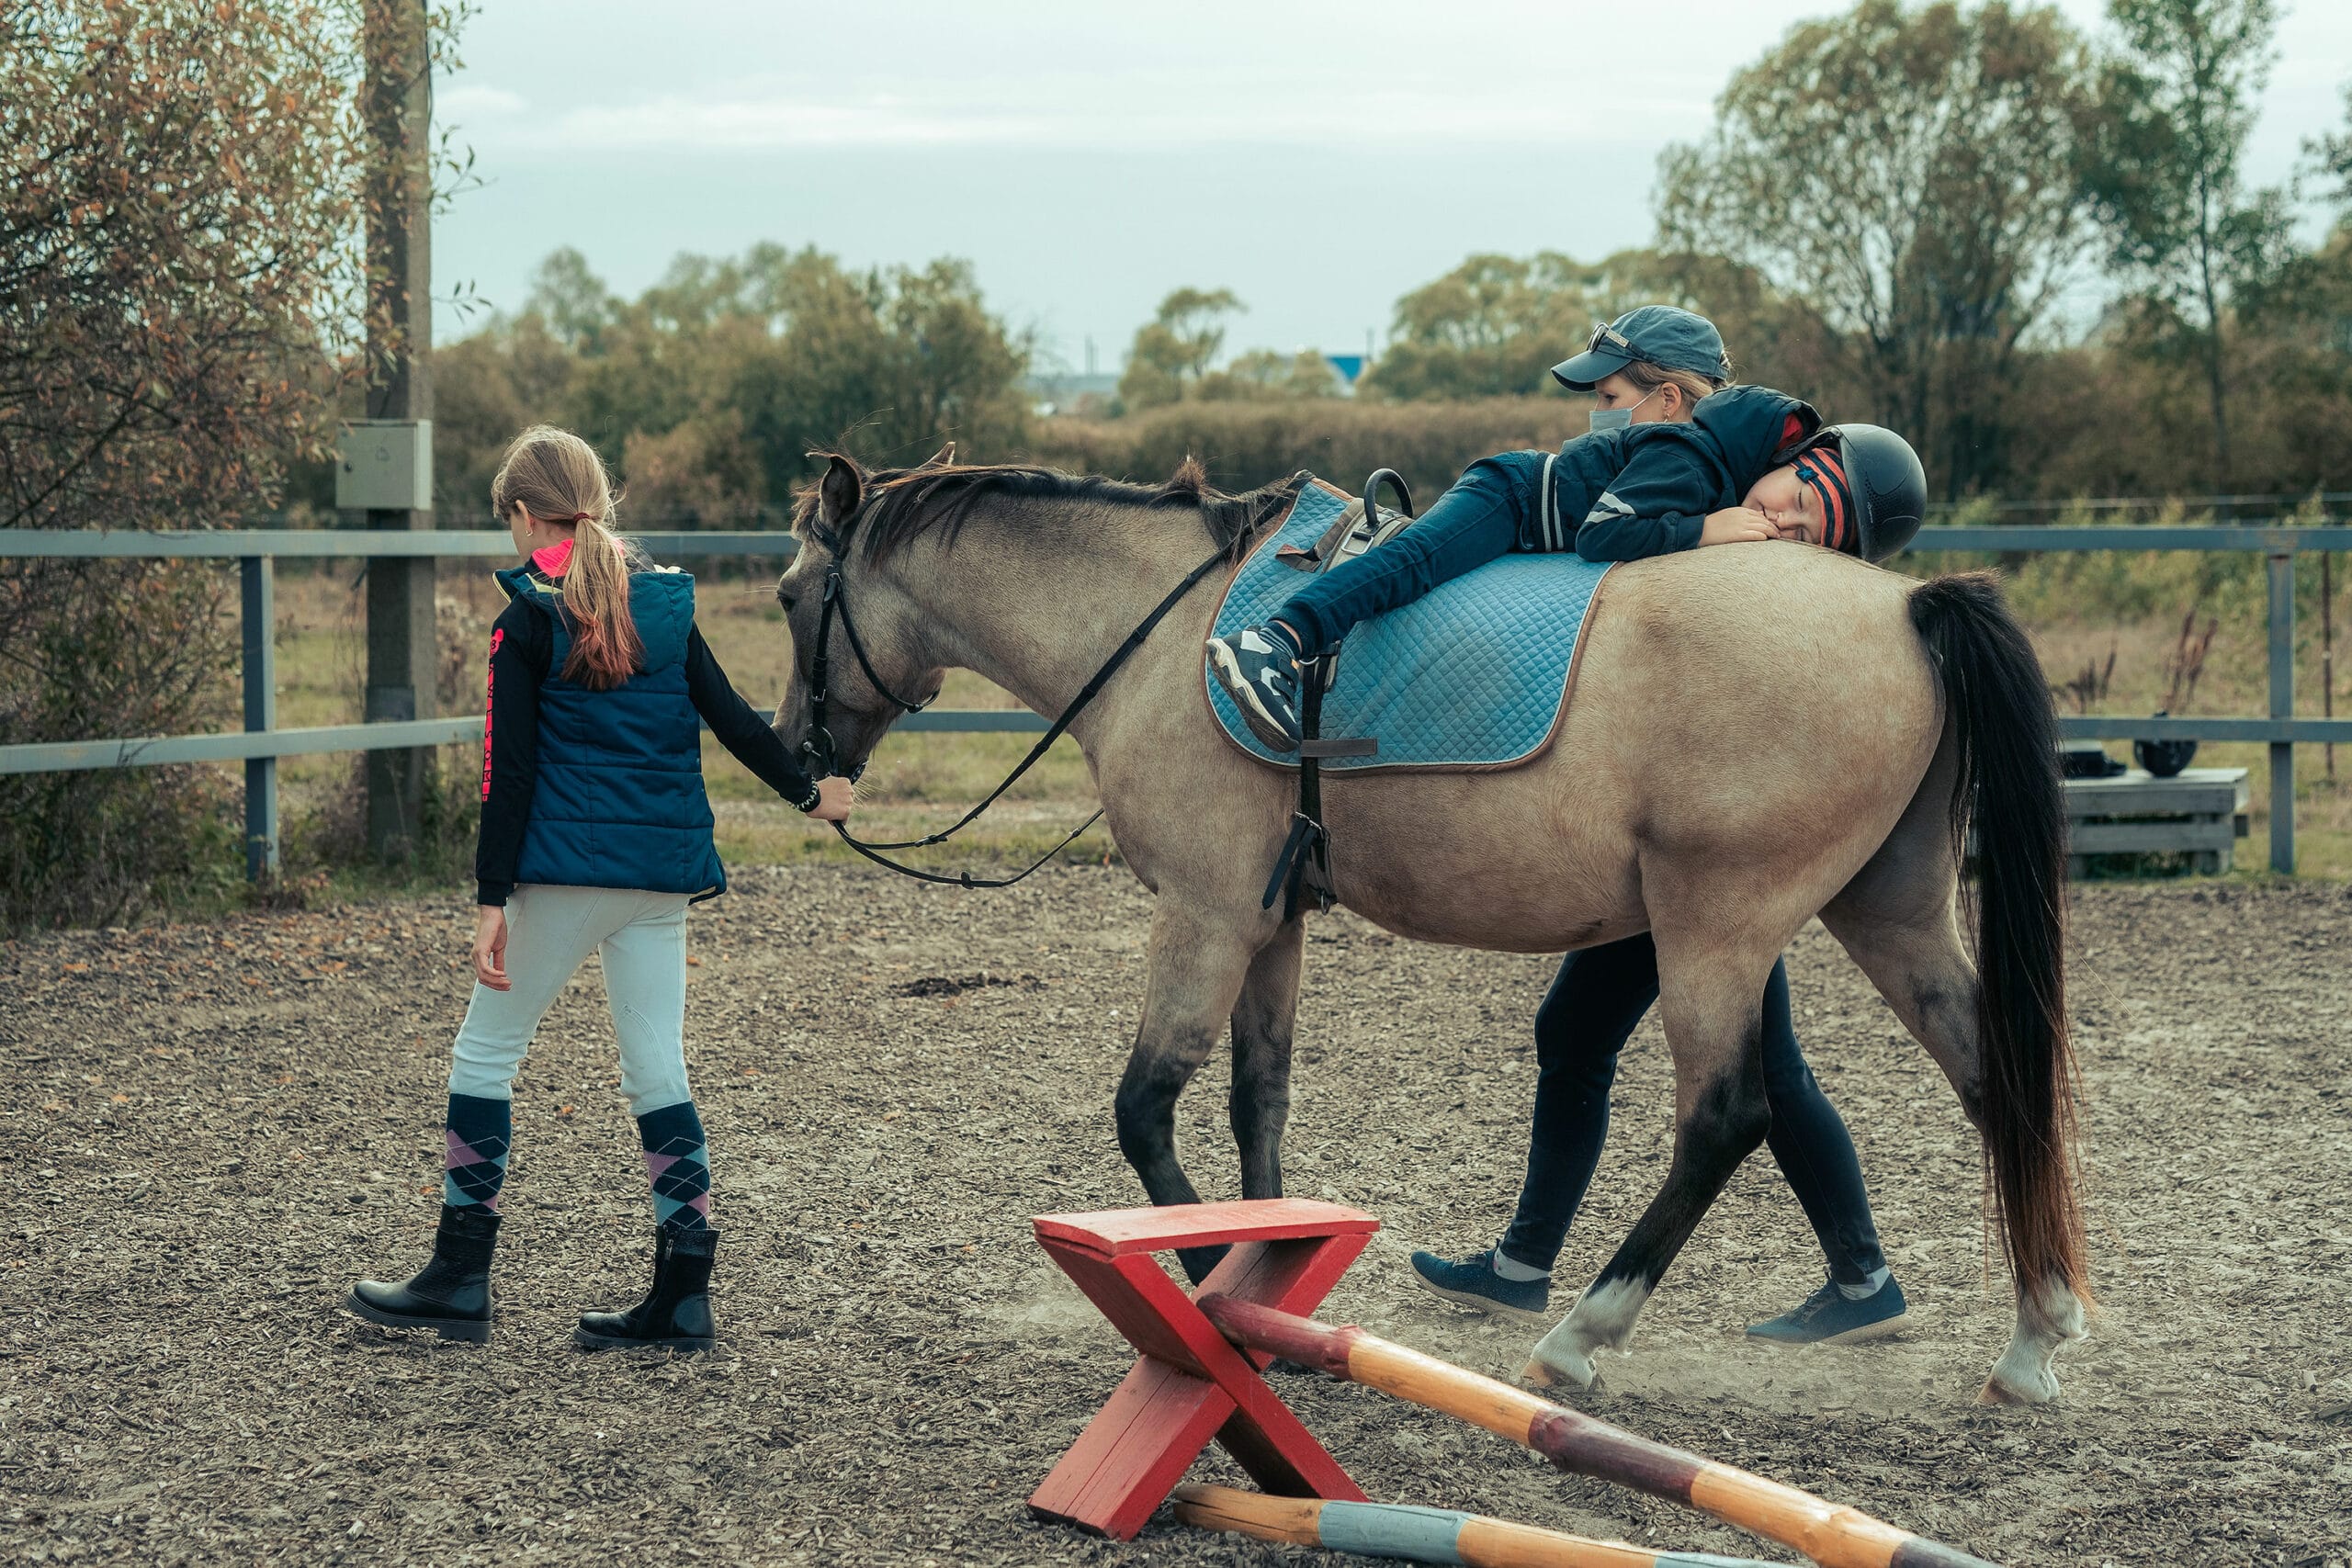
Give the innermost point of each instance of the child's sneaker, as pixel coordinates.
(1827, 1317)
(1473, 1283)
(1259, 671)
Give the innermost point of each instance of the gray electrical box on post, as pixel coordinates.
(384, 465)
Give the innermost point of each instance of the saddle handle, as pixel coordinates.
(1395, 481)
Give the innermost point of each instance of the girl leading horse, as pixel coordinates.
(1674, 802)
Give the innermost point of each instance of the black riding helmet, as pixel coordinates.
(1882, 474)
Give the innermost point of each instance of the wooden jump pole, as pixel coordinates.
(1832, 1534)
(1421, 1535)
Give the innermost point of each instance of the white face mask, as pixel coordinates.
(1617, 419)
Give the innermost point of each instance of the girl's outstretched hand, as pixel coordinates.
(835, 796)
(1737, 525)
(489, 947)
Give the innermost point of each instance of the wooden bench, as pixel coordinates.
(2201, 813)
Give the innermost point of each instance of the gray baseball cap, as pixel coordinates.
(1669, 337)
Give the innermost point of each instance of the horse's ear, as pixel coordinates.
(839, 491)
(942, 458)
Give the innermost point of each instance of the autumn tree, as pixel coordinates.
(177, 287)
(2330, 155)
(1496, 325)
(708, 390)
(1492, 327)
(1911, 175)
(2181, 95)
(1174, 350)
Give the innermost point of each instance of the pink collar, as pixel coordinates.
(553, 558)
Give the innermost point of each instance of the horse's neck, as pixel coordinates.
(1038, 608)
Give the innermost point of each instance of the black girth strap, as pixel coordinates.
(1086, 694)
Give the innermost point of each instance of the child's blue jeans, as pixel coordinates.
(1476, 522)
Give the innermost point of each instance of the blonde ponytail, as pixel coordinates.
(606, 649)
(558, 478)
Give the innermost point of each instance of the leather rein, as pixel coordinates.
(824, 756)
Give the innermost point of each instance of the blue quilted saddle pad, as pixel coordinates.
(1474, 674)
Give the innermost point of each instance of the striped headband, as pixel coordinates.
(1820, 469)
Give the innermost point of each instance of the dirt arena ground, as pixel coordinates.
(208, 1131)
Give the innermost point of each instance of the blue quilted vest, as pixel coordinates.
(620, 801)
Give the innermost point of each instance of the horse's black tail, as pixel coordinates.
(1998, 710)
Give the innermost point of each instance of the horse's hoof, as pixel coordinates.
(1995, 1392)
(1540, 1373)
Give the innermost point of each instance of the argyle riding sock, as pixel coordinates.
(479, 1131)
(678, 1164)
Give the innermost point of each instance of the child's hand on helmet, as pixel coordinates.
(835, 796)
(1738, 525)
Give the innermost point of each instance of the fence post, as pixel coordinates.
(401, 654)
(260, 633)
(2282, 706)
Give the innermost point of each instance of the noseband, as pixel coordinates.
(818, 745)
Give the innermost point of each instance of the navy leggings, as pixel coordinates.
(1599, 996)
(1473, 522)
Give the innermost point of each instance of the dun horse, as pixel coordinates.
(1758, 735)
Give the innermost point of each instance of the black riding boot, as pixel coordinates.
(451, 1294)
(676, 1313)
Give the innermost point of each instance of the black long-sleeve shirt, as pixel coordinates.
(522, 647)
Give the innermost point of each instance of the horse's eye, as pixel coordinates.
(786, 600)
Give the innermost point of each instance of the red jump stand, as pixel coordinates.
(1192, 1384)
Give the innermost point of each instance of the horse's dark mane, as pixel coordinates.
(903, 505)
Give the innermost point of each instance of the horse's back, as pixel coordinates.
(1755, 693)
(1747, 723)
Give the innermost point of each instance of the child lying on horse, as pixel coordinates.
(1752, 465)
(1660, 377)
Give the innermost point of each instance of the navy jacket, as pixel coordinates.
(603, 789)
(1646, 490)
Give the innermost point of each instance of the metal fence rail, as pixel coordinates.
(261, 743)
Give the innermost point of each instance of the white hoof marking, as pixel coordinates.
(1603, 1316)
(2051, 1318)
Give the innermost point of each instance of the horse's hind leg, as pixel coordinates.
(1262, 1021)
(1898, 920)
(1197, 967)
(1710, 1002)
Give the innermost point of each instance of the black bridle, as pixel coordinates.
(818, 745)
(824, 756)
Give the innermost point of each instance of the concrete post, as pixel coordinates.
(2282, 706)
(259, 586)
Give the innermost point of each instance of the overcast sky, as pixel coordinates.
(1319, 157)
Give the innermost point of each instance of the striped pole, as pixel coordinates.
(1833, 1535)
(1421, 1535)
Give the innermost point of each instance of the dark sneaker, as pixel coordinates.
(1473, 1283)
(1257, 671)
(1826, 1317)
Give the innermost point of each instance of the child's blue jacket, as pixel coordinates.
(1646, 490)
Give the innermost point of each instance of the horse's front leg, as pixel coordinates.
(1197, 967)
(1714, 1025)
(1263, 1023)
